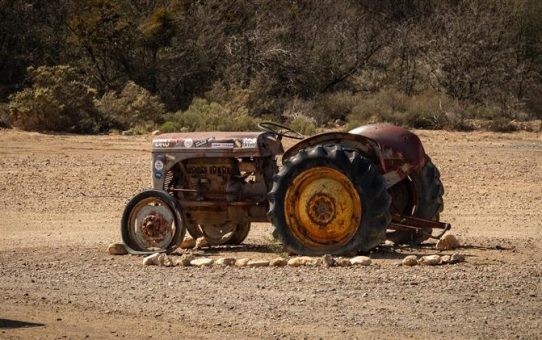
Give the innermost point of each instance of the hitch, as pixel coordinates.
(416, 224)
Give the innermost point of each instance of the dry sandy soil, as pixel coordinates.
(61, 198)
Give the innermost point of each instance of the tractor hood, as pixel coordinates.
(242, 144)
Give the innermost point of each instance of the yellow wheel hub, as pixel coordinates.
(322, 207)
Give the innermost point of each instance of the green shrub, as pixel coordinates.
(375, 108)
(299, 116)
(456, 121)
(134, 107)
(332, 106)
(501, 124)
(57, 101)
(170, 126)
(482, 111)
(5, 116)
(203, 115)
(533, 101)
(302, 124)
(427, 110)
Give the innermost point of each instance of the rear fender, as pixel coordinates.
(365, 146)
(402, 150)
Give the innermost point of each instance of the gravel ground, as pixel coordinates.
(61, 198)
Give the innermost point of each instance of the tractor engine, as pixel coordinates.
(215, 179)
(222, 190)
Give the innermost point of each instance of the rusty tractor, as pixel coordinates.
(335, 193)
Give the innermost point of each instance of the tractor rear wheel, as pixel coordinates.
(240, 234)
(326, 200)
(419, 195)
(229, 234)
(152, 222)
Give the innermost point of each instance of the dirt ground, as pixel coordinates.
(61, 198)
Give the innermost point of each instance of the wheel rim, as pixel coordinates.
(151, 224)
(323, 208)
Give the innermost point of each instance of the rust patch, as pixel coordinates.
(154, 228)
(321, 209)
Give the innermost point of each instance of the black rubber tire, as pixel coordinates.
(368, 183)
(172, 204)
(194, 231)
(426, 190)
(239, 235)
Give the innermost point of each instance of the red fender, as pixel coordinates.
(402, 150)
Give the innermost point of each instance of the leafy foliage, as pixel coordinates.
(57, 101)
(133, 106)
(427, 110)
(5, 121)
(333, 56)
(203, 115)
(302, 124)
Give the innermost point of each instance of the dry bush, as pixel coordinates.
(203, 115)
(426, 110)
(298, 117)
(302, 124)
(133, 108)
(5, 116)
(57, 101)
(332, 106)
(501, 124)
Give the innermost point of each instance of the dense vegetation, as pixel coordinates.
(95, 65)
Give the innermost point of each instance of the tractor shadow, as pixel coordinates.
(7, 324)
(492, 248)
(383, 252)
(399, 252)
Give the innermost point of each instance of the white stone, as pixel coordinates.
(225, 261)
(241, 262)
(185, 260)
(258, 263)
(360, 261)
(342, 262)
(430, 260)
(151, 260)
(201, 262)
(279, 262)
(201, 242)
(188, 243)
(302, 261)
(447, 242)
(164, 260)
(410, 260)
(117, 249)
(456, 258)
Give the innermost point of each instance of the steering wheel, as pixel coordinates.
(280, 130)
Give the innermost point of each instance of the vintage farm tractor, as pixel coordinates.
(335, 193)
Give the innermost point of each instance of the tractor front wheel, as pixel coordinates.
(152, 222)
(228, 234)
